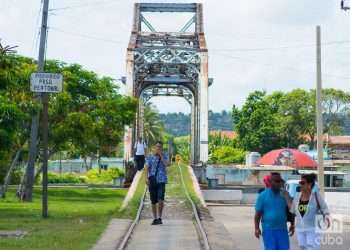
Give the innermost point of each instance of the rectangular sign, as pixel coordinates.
(46, 82)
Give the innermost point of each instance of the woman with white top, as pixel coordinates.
(307, 205)
(140, 152)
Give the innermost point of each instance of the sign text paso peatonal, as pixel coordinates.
(46, 82)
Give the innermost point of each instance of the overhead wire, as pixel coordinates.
(37, 29)
(289, 68)
(93, 3)
(83, 5)
(84, 36)
(283, 47)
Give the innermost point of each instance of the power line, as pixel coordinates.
(282, 67)
(284, 47)
(37, 30)
(94, 3)
(85, 36)
(220, 54)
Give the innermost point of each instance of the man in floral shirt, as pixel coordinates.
(156, 165)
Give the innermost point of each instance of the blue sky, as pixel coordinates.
(253, 44)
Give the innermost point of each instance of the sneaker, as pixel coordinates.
(155, 222)
(160, 221)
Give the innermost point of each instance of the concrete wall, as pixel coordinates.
(231, 175)
(226, 196)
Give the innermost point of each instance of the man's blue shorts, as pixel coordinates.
(276, 239)
(157, 193)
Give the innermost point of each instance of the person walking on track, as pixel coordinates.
(156, 178)
(140, 152)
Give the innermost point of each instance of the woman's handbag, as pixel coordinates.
(325, 223)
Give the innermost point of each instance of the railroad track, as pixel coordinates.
(202, 236)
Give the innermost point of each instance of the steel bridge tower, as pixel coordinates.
(169, 64)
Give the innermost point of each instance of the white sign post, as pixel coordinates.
(46, 82)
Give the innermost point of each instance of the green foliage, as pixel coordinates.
(179, 124)
(182, 147)
(16, 105)
(227, 155)
(93, 176)
(104, 176)
(297, 115)
(64, 178)
(266, 122)
(86, 119)
(336, 108)
(132, 207)
(217, 140)
(153, 126)
(16, 177)
(257, 123)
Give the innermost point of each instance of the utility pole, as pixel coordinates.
(319, 122)
(44, 99)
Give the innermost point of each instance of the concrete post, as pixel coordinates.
(319, 122)
(203, 106)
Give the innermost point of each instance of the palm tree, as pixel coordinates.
(153, 126)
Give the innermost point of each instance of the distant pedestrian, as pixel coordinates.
(140, 153)
(308, 206)
(156, 178)
(267, 183)
(271, 211)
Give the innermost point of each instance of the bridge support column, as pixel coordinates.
(195, 121)
(128, 134)
(192, 146)
(203, 107)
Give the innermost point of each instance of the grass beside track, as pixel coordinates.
(175, 189)
(131, 209)
(77, 217)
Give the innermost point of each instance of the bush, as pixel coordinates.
(182, 147)
(103, 177)
(93, 176)
(64, 178)
(227, 155)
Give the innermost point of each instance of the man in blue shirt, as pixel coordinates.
(155, 168)
(271, 210)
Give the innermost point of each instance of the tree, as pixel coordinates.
(153, 126)
(297, 117)
(86, 119)
(281, 119)
(16, 108)
(336, 107)
(257, 123)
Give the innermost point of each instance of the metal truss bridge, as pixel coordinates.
(169, 64)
